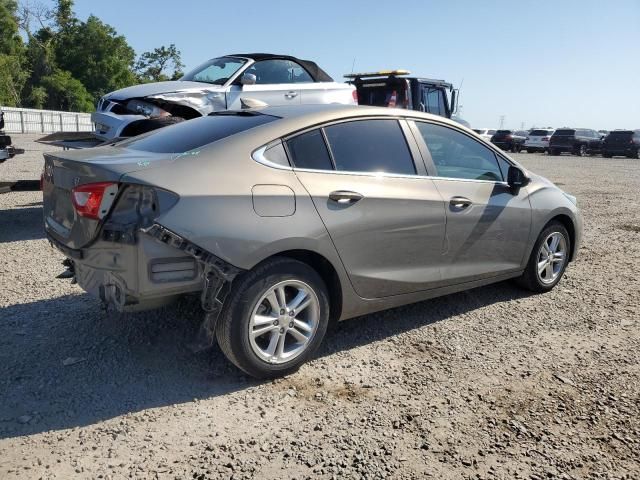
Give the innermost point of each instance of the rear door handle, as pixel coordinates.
(291, 94)
(460, 202)
(345, 197)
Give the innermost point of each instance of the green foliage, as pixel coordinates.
(68, 64)
(96, 55)
(161, 64)
(63, 92)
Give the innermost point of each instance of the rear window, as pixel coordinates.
(196, 133)
(565, 131)
(621, 134)
(382, 94)
(540, 133)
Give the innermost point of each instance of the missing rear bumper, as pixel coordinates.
(217, 276)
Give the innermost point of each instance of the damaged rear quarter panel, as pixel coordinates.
(216, 210)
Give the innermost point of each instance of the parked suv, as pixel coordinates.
(222, 83)
(622, 142)
(509, 140)
(538, 140)
(578, 141)
(485, 133)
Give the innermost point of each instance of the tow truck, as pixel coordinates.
(396, 89)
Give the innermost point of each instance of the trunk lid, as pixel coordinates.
(65, 170)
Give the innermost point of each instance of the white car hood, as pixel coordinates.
(203, 97)
(153, 89)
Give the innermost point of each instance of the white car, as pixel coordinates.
(485, 133)
(231, 82)
(538, 140)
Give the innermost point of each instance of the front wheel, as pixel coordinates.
(548, 260)
(274, 319)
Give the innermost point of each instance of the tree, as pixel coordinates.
(95, 54)
(153, 66)
(63, 92)
(12, 55)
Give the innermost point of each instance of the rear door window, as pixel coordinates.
(279, 71)
(309, 150)
(370, 146)
(456, 155)
(196, 133)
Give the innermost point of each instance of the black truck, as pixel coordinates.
(395, 88)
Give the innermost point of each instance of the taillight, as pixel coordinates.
(93, 200)
(354, 93)
(508, 137)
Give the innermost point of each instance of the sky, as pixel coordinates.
(537, 63)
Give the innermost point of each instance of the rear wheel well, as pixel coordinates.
(328, 273)
(568, 224)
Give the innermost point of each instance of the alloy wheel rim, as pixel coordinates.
(551, 257)
(283, 321)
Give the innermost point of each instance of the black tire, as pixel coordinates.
(582, 151)
(531, 150)
(148, 125)
(232, 329)
(553, 151)
(607, 155)
(530, 278)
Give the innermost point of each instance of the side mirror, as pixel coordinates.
(454, 101)
(516, 179)
(248, 79)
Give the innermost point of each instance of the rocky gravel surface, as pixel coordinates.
(489, 383)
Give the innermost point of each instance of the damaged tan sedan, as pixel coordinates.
(283, 219)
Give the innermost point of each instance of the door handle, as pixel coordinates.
(345, 197)
(291, 94)
(460, 202)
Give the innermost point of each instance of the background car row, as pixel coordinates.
(575, 141)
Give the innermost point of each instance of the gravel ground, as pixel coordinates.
(489, 383)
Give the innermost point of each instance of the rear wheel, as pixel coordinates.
(274, 318)
(582, 151)
(553, 151)
(548, 259)
(607, 155)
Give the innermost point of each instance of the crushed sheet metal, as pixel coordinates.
(217, 275)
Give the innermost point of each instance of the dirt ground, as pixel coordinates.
(490, 383)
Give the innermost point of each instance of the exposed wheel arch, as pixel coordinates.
(326, 270)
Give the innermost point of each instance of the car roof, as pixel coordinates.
(312, 67)
(337, 111)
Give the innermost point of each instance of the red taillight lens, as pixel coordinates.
(508, 137)
(354, 93)
(88, 199)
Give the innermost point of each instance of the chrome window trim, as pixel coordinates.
(258, 154)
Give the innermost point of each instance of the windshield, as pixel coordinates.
(216, 71)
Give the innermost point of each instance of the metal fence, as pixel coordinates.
(26, 120)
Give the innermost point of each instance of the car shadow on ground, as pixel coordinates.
(64, 363)
(23, 223)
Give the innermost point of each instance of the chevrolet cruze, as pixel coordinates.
(283, 219)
